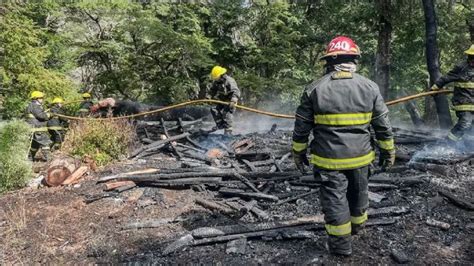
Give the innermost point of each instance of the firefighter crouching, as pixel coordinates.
(86, 104)
(339, 109)
(37, 117)
(56, 125)
(463, 98)
(223, 88)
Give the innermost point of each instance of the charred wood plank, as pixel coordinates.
(248, 195)
(246, 182)
(433, 168)
(214, 206)
(152, 223)
(186, 181)
(165, 130)
(293, 198)
(144, 171)
(204, 232)
(387, 211)
(157, 144)
(457, 201)
(182, 173)
(249, 165)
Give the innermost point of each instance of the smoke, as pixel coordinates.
(246, 123)
(444, 150)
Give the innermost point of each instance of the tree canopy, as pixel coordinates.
(162, 53)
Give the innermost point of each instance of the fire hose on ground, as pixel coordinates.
(249, 109)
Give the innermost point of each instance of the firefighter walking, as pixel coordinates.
(463, 99)
(37, 117)
(339, 109)
(223, 88)
(56, 125)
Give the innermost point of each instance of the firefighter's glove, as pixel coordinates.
(300, 160)
(232, 105)
(387, 159)
(434, 87)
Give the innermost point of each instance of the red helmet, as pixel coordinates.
(341, 45)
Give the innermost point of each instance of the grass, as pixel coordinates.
(15, 169)
(104, 141)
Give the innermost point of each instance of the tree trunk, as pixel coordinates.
(432, 59)
(470, 24)
(58, 170)
(382, 59)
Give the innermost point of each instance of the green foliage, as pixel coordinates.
(103, 141)
(15, 169)
(161, 53)
(23, 58)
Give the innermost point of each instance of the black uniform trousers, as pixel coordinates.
(223, 116)
(344, 199)
(463, 126)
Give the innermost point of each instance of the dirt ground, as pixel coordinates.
(56, 226)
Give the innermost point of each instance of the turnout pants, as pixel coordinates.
(344, 199)
(223, 116)
(40, 140)
(57, 137)
(463, 125)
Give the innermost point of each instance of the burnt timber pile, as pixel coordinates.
(251, 204)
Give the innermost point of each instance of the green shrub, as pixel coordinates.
(103, 141)
(15, 169)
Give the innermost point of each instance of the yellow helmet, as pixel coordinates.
(57, 100)
(86, 95)
(217, 72)
(470, 51)
(36, 95)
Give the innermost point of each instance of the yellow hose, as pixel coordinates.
(202, 101)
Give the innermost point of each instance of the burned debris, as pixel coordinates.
(251, 180)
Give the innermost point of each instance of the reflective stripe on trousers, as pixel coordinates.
(342, 164)
(359, 219)
(338, 230)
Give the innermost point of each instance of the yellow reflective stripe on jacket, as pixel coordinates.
(83, 110)
(464, 107)
(299, 146)
(386, 144)
(56, 128)
(359, 219)
(338, 230)
(30, 116)
(453, 137)
(343, 119)
(341, 164)
(465, 84)
(39, 129)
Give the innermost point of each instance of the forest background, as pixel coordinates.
(161, 52)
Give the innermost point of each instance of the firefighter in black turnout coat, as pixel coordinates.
(36, 117)
(463, 99)
(339, 109)
(57, 125)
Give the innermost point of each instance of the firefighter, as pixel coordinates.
(56, 125)
(339, 109)
(223, 88)
(37, 117)
(84, 107)
(463, 98)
